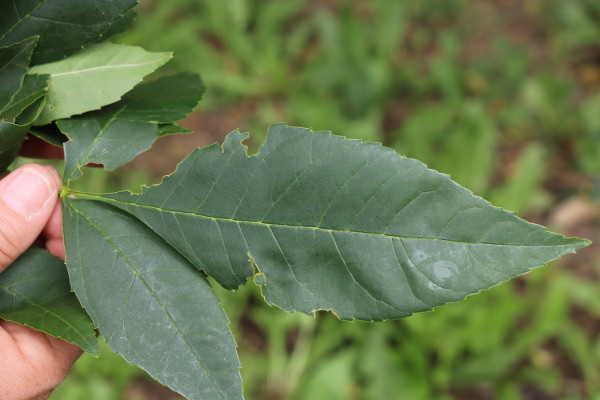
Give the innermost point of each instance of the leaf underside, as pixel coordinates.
(35, 291)
(151, 305)
(326, 223)
(94, 77)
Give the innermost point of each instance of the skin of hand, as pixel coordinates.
(32, 363)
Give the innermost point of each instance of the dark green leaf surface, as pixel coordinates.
(64, 26)
(94, 77)
(11, 139)
(99, 138)
(120, 24)
(14, 61)
(33, 88)
(12, 134)
(336, 224)
(151, 305)
(164, 100)
(49, 133)
(35, 291)
(114, 135)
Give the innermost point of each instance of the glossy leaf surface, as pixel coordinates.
(64, 26)
(35, 291)
(94, 77)
(152, 306)
(114, 135)
(336, 224)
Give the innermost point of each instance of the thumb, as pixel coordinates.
(27, 198)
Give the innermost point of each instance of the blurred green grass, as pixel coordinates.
(503, 96)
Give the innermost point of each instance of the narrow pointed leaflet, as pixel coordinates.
(35, 291)
(152, 306)
(329, 223)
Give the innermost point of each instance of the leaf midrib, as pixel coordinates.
(153, 294)
(79, 163)
(92, 196)
(102, 67)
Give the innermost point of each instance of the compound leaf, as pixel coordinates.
(64, 26)
(94, 77)
(152, 306)
(35, 291)
(336, 224)
(114, 135)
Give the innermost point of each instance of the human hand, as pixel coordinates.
(32, 363)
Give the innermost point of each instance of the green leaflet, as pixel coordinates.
(12, 134)
(164, 100)
(64, 26)
(151, 305)
(94, 77)
(33, 88)
(114, 135)
(20, 98)
(104, 140)
(14, 60)
(35, 291)
(336, 224)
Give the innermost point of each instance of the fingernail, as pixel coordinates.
(27, 191)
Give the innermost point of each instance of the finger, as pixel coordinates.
(33, 362)
(27, 198)
(53, 232)
(35, 147)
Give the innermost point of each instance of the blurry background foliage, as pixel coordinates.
(502, 95)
